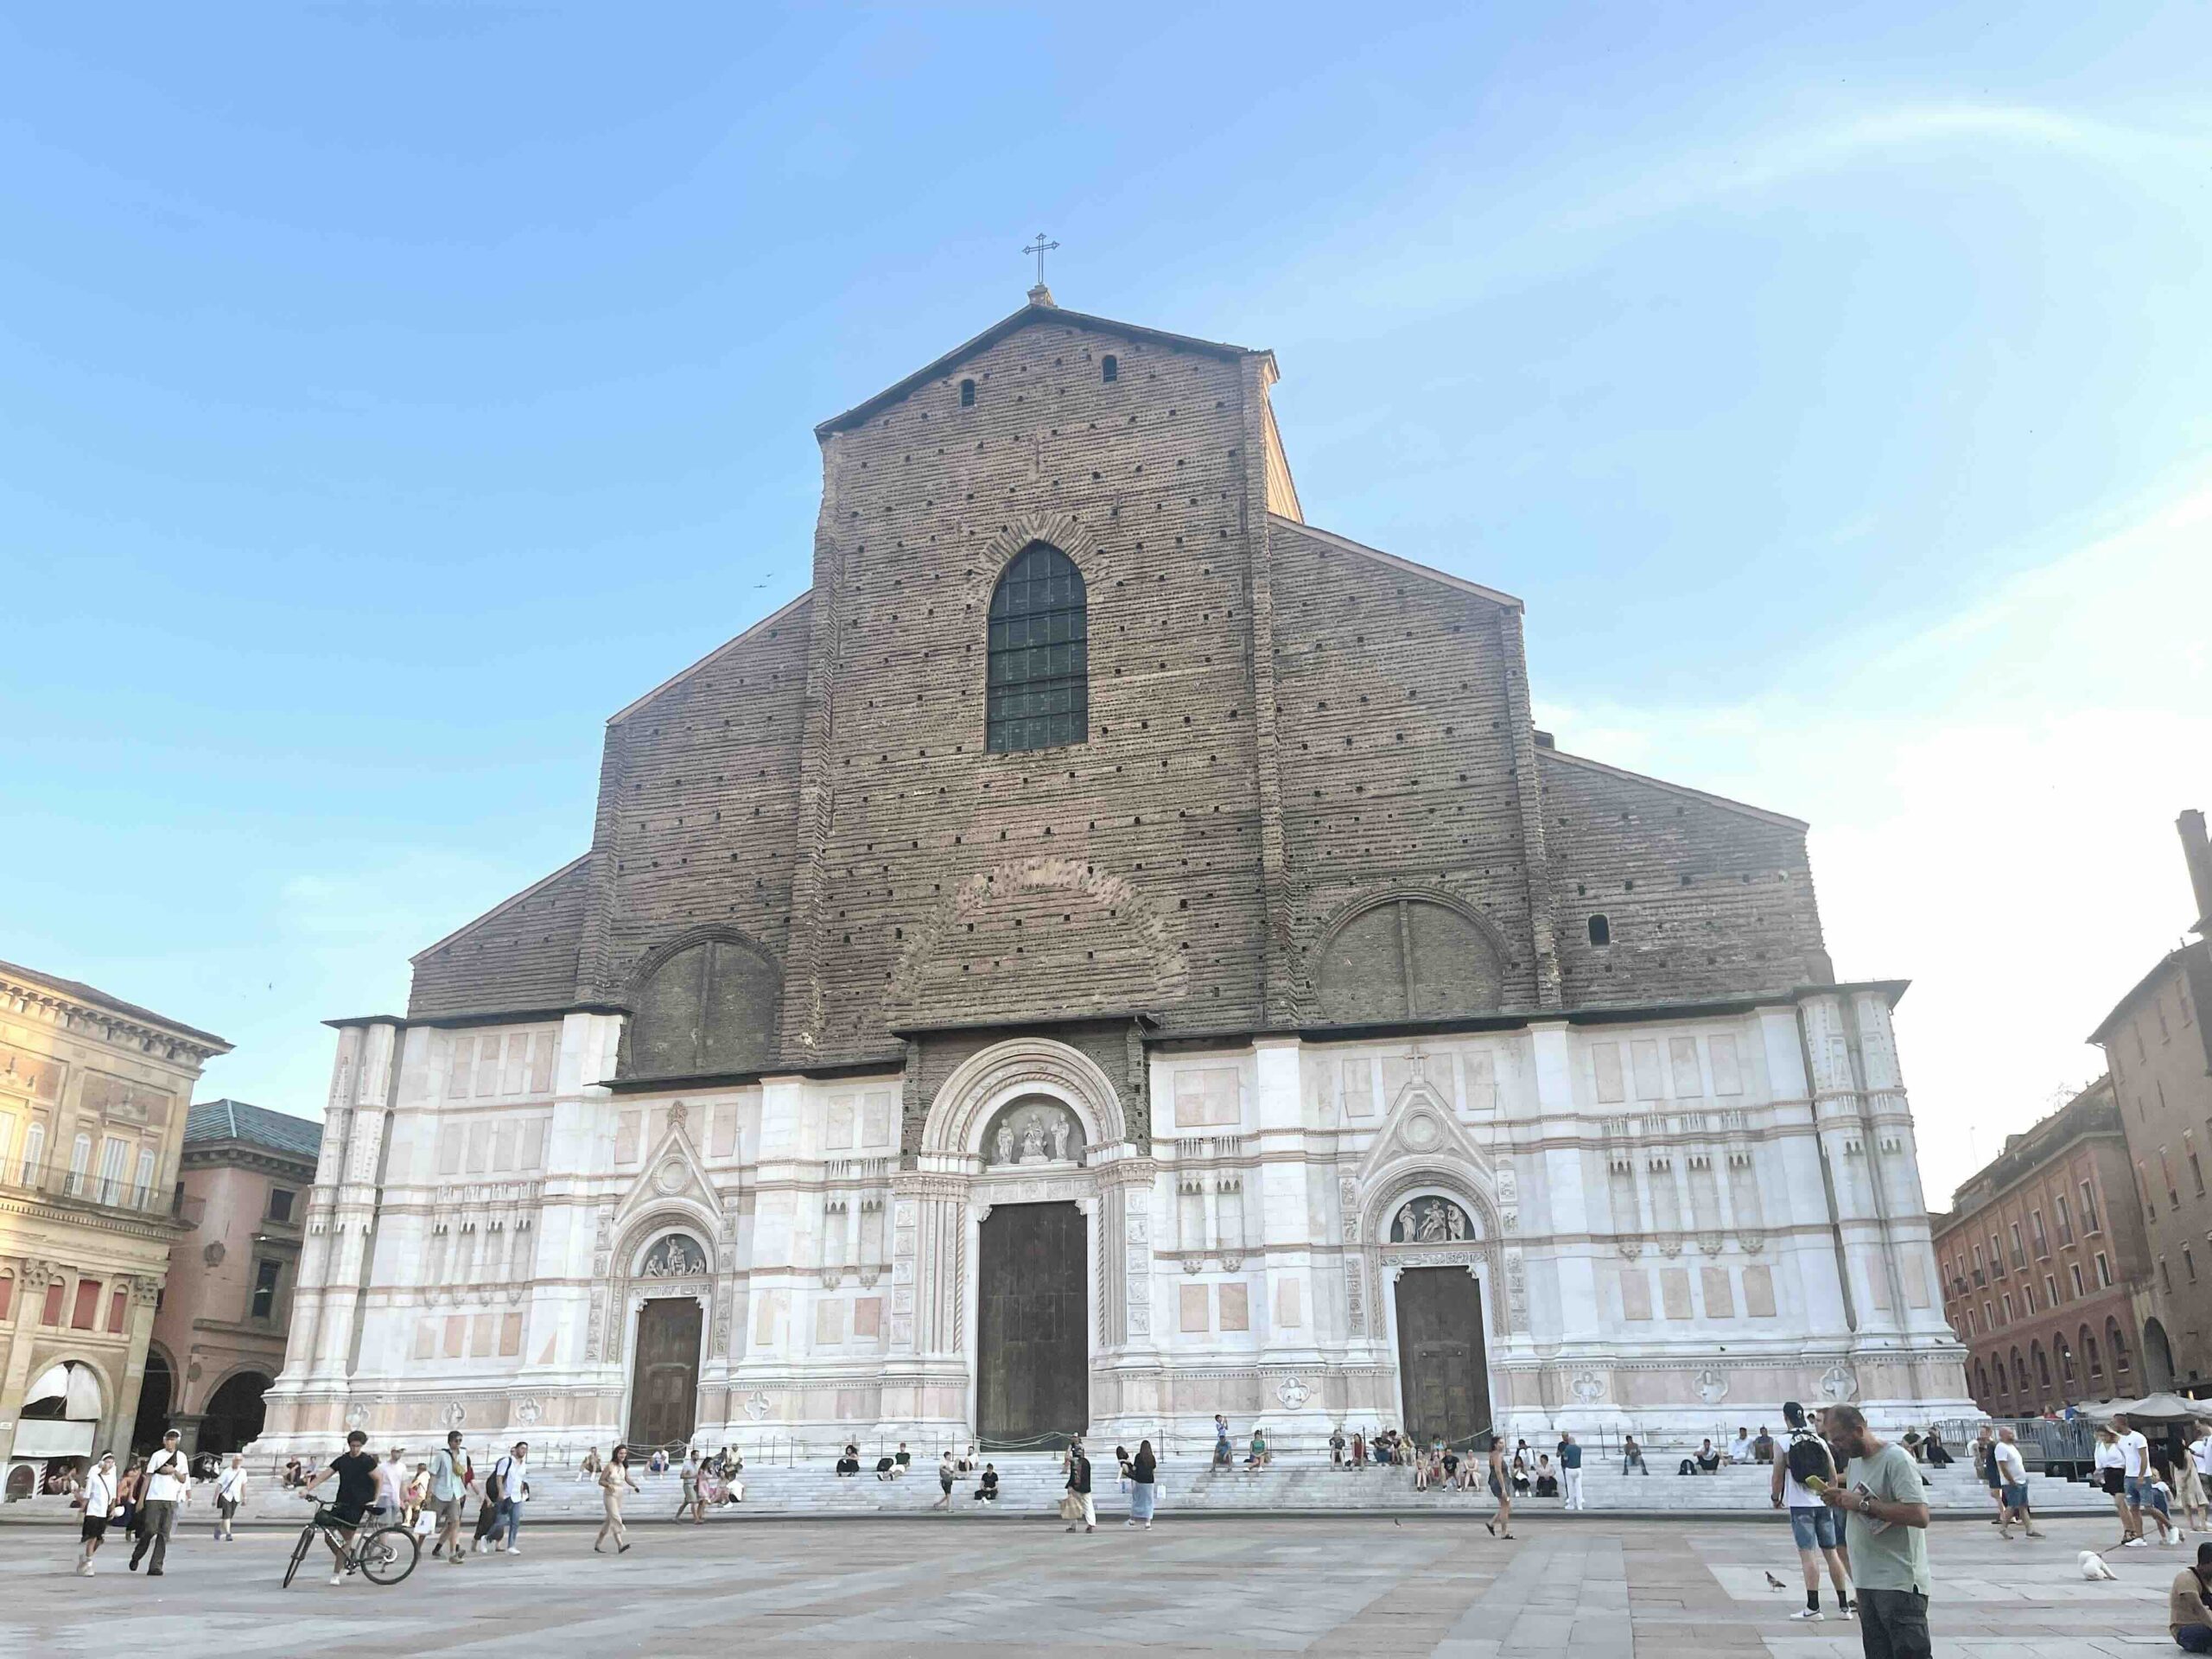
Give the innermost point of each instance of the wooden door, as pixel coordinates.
(1032, 1355)
(664, 1382)
(1441, 1361)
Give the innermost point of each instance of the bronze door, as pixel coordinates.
(1441, 1358)
(1033, 1359)
(664, 1384)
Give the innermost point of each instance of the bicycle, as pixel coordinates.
(382, 1554)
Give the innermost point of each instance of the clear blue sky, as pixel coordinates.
(388, 394)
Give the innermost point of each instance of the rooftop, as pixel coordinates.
(93, 995)
(210, 1121)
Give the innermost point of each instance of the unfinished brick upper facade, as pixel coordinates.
(1284, 727)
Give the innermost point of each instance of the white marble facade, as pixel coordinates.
(1672, 1228)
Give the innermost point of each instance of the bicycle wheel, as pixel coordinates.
(298, 1552)
(389, 1555)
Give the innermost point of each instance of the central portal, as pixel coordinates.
(664, 1388)
(1440, 1355)
(1033, 1360)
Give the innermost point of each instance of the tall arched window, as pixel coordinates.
(1038, 692)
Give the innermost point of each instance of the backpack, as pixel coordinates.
(1809, 1458)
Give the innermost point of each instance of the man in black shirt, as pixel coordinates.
(1086, 1514)
(357, 1489)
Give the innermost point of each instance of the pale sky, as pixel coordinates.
(393, 393)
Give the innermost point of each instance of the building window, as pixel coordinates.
(114, 1155)
(2188, 1263)
(2142, 1184)
(2065, 1221)
(280, 1203)
(2006, 1302)
(80, 1162)
(1601, 930)
(966, 394)
(2050, 1288)
(2104, 1272)
(2166, 1169)
(265, 1275)
(2035, 1227)
(1037, 693)
(34, 1154)
(1996, 1256)
(2195, 1165)
(2019, 1254)
(2165, 1274)
(2089, 1209)
(141, 1184)
(1109, 368)
(1988, 1316)
(49, 1311)
(2118, 1343)
(118, 1309)
(2074, 1268)
(86, 1313)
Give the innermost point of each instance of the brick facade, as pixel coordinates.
(1285, 727)
(2039, 1257)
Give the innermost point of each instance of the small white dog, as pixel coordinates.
(2092, 1566)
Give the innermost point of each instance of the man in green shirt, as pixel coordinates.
(1885, 1527)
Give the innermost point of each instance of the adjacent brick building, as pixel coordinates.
(1098, 831)
(2158, 1043)
(218, 1340)
(2039, 1255)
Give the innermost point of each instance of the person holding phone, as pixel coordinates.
(1884, 1506)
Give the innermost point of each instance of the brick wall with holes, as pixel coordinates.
(523, 956)
(957, 884)
(1700, 900)
(1397, 739)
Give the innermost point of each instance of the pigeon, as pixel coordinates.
(1773, 1583)
(2092, 1566)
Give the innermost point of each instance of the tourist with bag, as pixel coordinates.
(1077, 1508)
(1144, 1488)
(1817, 1529)
(96, 1499)
(614, 1481)
(230, 1493)
(453, 1477)
(168, 1483)
(512, 1476)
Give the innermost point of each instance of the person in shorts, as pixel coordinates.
(2013, 1493)
(230, 1493)
(100, 1504)
(1817, 1528)
(452, 1475)
(356, 1469)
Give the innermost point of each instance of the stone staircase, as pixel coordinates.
(1030, 1485)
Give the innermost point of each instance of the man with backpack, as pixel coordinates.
(1817, 1528)
(453, 1477)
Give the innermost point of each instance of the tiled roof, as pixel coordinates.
(233, 1120)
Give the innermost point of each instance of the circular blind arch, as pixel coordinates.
(1037, 689)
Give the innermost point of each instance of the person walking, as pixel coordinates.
(1085, 1513)
(1884, 1506)
(168, 1483)
(614, 1481)
(453, 1477)
(230, 1493)
(1985, 1468)
(99, 1501)
(1144, 1490)
(130, 1490)
(512, 1474)
(948, 1469)
(1817, 1528)
(1501, 1524)
(391, 1489)
(688, 1502)
(2108, 1462)
(2013, 1468)
(1570, 1471)
(2135, 1485)
(2189, 1605)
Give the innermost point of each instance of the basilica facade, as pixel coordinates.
(1112, 952)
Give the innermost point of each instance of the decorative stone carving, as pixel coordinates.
(1838, 1384)
(1711, 1386)
(528, 1411)
(1293, 1392)
(670, 1176)
(756, 1405)
(1431, 1221)
(1589, 1387)
(357, 1415)
(453, 1413)
(213, 1256)
(675, 1256)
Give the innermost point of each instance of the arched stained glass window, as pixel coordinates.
(1038, 694)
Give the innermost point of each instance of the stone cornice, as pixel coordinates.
(156, 1228)
(23, 992)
